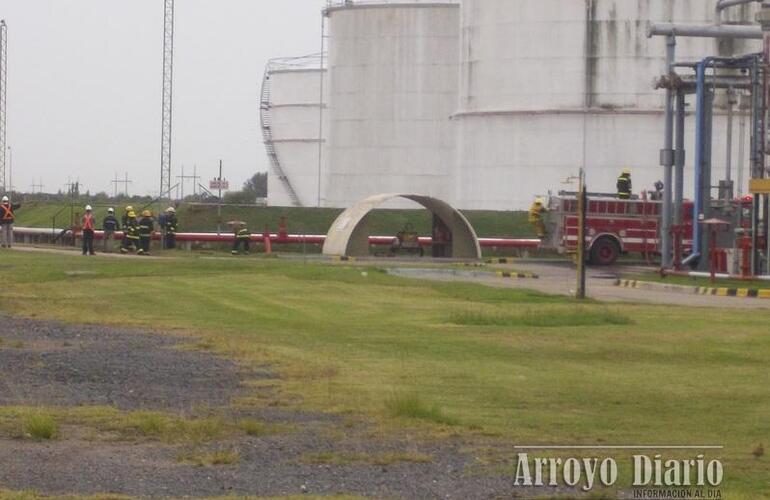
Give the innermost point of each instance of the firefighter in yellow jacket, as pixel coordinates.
(624, 184)
(146, 228)
(242, 235)
(536, 214)
(130, 233)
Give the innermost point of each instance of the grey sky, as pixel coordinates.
(85, 76)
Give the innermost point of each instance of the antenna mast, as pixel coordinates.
(3, 94)
(168, 79)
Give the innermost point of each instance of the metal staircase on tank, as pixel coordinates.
(267, 135)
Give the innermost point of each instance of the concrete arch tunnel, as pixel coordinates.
(349, 235)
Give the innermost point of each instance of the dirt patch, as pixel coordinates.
(46, 363)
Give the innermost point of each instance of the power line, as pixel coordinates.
(35, 186)
(73, 188)
(182, 178)
(125, 182)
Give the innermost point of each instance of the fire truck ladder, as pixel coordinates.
(267, 135)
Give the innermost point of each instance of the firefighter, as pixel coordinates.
(7, 218)
(87, 224)
(125, 218)
(146, 227)
(170, 228)
(242, 236)
(657, 195)
(109, 226)
(536, 214)
(130, 233)
(624, 184)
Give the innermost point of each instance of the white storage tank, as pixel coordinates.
(291, 113)
(545, 82)
(393, 87)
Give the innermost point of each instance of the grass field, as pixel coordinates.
(299, 220)
(443, 358)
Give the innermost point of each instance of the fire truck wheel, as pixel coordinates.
(604, 251)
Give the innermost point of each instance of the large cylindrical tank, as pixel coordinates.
(393, 87)
(291, 113)
(547, 86)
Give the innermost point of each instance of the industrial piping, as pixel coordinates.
(726, 4)
(704, 31)
(280, 238)
(697, 211)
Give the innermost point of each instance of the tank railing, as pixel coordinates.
(353, 3)
(310, 61)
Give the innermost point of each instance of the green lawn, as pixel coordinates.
(519, 366)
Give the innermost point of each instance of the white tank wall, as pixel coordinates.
(521, 80)
(393, 86)
(530, 68)
(294, 114)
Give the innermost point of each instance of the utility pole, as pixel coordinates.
(10, 169)
(36, 186)
(580, 292)
(182, 178)
(219, 201)
(125, 182)
(73, 188)
(167, 101)
(3, 98)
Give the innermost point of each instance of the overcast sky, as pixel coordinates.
(84, 86)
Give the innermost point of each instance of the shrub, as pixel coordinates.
(411, 406)
(39, 426)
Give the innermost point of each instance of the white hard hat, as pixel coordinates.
(5, 198)
(171, 210)
(110, 210)
(88, 208)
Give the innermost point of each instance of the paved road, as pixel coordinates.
(559, 278)
(600, 283)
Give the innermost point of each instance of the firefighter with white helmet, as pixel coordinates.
(7, 218)
(87, 225)
(536, 214)
(170, 227)
(109, 226)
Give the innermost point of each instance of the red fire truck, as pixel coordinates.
(613, 226)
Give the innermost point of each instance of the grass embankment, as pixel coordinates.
(453, 358)
(197, 218)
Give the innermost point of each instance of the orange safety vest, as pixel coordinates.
(7, 212)
(88, 222)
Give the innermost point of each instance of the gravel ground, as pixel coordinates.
(46, 363)
(59, 365)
